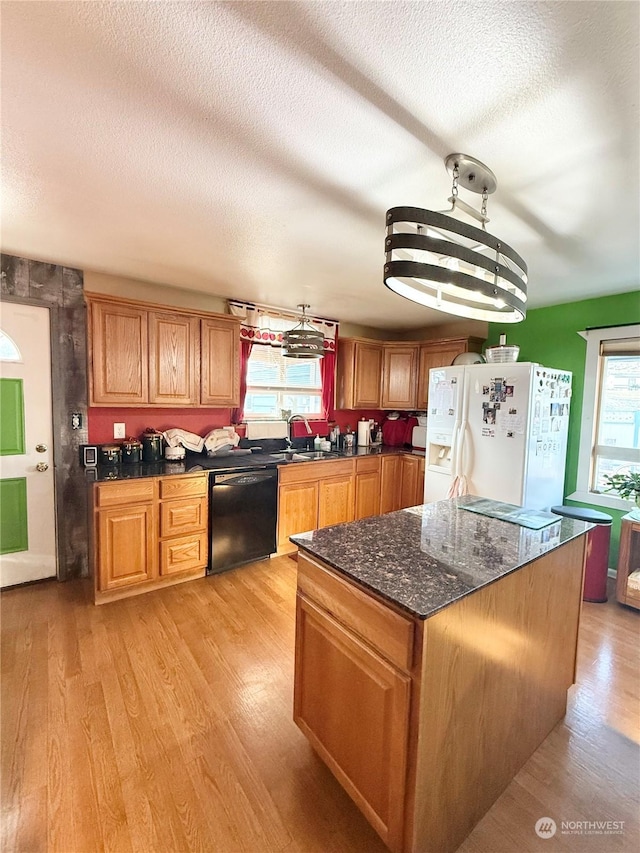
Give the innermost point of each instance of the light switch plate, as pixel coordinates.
(119, 431)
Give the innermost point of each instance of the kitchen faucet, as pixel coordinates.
(297, 418)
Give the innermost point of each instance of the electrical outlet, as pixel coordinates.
(119, 431)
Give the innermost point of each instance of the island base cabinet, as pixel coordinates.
(353, 707)
(425, 722)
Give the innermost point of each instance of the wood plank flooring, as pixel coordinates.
(163, 723)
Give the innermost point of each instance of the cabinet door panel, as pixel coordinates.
(353, 706)
(399, 377)
(336, 503)
(409, 486)
(367, 375)
(297, 510)
(173, 359)
(367, 495)
(119, 355)
(220, 363)
(127, 546)
(390, 483)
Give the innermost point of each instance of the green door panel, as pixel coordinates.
(13, 515)
(11, 418)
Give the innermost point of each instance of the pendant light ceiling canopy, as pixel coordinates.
(444, 263)
(303, 341)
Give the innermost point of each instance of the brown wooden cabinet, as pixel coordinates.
(390, 481)
(174, 350)
(297, 510)
(220, 362)
(440, 353)
(367, 487)
(390, 702)
(339, 676)
(143, 354)
(399, 376)
(358, 374)
(313, 495)
(148, 532)
(125, 535)
(184, 543)
(409, 478)
(628, 562)
(118, 353)
(392, 374)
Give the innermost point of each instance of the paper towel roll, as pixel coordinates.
(364, 433)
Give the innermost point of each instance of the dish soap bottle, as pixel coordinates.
(317, 443)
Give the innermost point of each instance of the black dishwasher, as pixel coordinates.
(243, 508)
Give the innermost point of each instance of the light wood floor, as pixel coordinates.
(163, 723)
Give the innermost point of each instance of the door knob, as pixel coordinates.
(41, 448)
(42, 466)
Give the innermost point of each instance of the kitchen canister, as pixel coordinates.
(151, 445)
(110, 454)
(131, 451)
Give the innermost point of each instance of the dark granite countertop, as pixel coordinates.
(426, 557)
(199, 462)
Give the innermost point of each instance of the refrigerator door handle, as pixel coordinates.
(454, 450)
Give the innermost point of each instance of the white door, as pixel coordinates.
(27, 508)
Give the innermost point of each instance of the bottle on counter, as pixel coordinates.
(317, 443)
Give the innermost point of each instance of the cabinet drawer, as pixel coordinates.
(184, 516)
(387, 631)
(368, 465)
(300, 472)
(125, 492)
(183, 487)
(183, 553)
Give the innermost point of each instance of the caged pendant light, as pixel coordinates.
(303, 341)
(444, 263)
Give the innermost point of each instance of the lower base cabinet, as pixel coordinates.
(390, 703)
(128, 546)
(340, 675)
(148, 532)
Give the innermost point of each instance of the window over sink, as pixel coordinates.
(276, 383)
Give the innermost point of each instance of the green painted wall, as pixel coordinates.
(549, 336)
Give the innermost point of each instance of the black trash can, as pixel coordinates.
(598, 539)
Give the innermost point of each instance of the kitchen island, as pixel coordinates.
(434, 651)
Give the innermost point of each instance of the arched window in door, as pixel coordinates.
(8, 349)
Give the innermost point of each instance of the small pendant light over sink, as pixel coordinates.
(303, 341)
(441, 262)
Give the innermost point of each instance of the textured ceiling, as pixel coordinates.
(252, 149)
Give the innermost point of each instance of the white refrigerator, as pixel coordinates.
(498, 431)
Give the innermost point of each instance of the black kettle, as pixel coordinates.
(151, 445)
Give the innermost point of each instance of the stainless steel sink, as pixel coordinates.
(305, 455)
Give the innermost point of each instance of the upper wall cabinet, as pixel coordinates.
(173, 359)
(359, 372)
(392, 374)
(119, 353)
(220, 362)
(399, 376)
(440, 353)
(142, 354)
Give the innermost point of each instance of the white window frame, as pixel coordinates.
(278, 389)
(594, 339)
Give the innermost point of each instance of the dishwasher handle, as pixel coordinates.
(246, 478)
